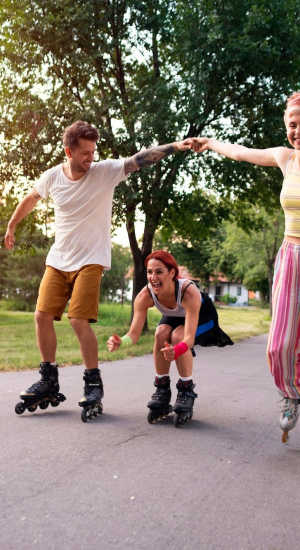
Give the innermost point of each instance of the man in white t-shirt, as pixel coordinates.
(82, 192)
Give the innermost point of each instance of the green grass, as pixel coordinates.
(17, 338)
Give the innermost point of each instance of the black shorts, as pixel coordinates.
(208, 332)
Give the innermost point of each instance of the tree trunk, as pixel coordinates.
(139, 256)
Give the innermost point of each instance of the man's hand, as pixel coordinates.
(199, 144)
(113, 342)
(184, 145)
(9, 239)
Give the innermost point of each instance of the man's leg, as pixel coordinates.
(87, 341)
(83, 309)
(45, 390)
(53, 294)
(93, 385)
(45, 335)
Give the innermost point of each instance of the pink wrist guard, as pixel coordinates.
(180, 348)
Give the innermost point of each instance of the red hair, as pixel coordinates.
(166, 258)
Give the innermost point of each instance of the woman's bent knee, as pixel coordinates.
(162, 333)
(177, 336)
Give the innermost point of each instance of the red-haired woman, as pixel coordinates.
(188, 317)
(284, 339)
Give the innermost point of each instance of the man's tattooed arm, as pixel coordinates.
(153, 155)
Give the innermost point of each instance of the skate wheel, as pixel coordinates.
(179, 420)
(100, 409)
(152, 418)
(20, 408)
(285, 437)
(84, 415)
(44, 404)
(55, 403)
(61, 397)
(32, 408)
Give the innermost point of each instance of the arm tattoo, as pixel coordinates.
(150, 156)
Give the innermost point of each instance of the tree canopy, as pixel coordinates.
(147, 72)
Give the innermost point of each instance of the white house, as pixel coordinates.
(220, 286)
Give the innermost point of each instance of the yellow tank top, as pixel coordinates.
(290, 201)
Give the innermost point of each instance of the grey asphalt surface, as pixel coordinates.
(225, 481)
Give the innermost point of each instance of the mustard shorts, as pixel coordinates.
(81, 287)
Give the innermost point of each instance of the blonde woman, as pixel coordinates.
(283, 349)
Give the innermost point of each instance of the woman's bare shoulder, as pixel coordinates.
(144, 298)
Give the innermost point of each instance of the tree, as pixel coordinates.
(143, 72)
(22, 269)
(114, 283)
(250, 256)
(192, 231)
(242, 250)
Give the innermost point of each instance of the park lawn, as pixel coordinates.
(17, 338)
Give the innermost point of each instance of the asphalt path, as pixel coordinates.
(224, 481)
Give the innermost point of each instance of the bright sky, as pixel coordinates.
(120, 235)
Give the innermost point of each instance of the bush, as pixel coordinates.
(16, 305)
(227, 299)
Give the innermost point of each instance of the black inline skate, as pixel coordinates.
(183, 407)
(93, 393)
(43, 392)
(159, 404)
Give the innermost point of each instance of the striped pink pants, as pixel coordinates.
(284, 339)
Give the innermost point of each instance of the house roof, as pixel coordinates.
(221, 278)
(184, 273)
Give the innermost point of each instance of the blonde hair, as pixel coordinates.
(293, 100)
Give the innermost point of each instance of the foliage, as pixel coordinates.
(22, 268)
(114, 284)
(146, 72)
(242, 254)
(227, 299)
(250, 256)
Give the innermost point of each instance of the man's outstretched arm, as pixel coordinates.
(24, 208)
(155, 154)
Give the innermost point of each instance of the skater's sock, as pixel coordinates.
(162, 376)
(186, 378)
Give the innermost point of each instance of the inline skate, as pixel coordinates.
(159, 404)
(288, 416)
(43, 392)
(93, 392)
(183, 407)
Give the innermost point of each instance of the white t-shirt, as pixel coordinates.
(82, 214)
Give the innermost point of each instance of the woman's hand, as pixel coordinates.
(113, 342)
(168, 352)
(200, 144)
